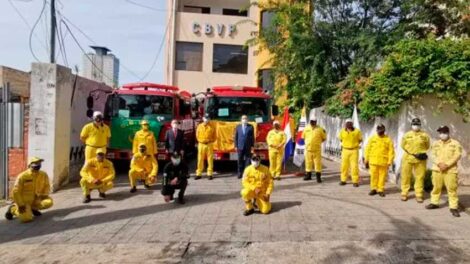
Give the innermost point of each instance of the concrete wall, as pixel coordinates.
(397, 126)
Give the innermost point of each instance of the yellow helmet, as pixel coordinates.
(101, 151)
(34, 160)
(144, 122)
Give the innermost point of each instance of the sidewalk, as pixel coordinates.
(310, 223)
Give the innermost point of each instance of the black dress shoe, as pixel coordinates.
(36, 213)
(240, 176)
(248, 212)
(455, 212)
(147, 186)
(198, 178)
(373, 192)
(87, 199)
(133, 189)
(181, 200)
(103, 195)
(356, 185)
(8, 214)
(381, 194)
(308, 176)
(318, 174)
(342, 183)
(432, 206)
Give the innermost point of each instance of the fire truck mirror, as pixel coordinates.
(89, 102)
(275, 110)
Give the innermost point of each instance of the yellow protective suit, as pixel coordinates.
(350, 143)
(276, 140)
(95, 170)
(224, 132)
(94, 137)
(147, 138)
(314, 137)
(413, 143)
(205, 135)
(254, 178)
(31, 190)
(379, 154)
(448, 153)
(143, 167)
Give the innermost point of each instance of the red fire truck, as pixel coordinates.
(158, 104)
(226, 105)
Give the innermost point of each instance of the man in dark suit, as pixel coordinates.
(244, 142)
(174, 139)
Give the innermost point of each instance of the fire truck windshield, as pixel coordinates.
(232, 108)
(143, 106)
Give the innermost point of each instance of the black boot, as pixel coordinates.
(133, 189)
(318, 174)
(8, 214)
(455, 212)
(87, 199)
(248, 212)
(36, 213)
(102, 195)
(308, 176)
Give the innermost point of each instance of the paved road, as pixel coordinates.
(310, 223)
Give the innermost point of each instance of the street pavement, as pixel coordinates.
(309, 223)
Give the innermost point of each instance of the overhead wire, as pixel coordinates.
(146, 6)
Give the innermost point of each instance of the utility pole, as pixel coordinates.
(53, 31)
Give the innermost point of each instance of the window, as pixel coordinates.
(231, 108)
(266, 80)
(188, 56)
(234, 12)
(230, 59)
(266, 19)
(140, 106)
(197, 9)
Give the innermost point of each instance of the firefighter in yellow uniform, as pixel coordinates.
(446, 153)
(351, 139)
(144, 167)
(313, 136)
(276, 140)
(257, 185)
(95, 135)
(30, 193)
(146, 137)
(98, 173)
(415, 144)
(379, 156)
(206, 136)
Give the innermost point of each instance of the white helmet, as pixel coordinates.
(97, 113)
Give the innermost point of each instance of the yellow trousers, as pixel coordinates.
(90, 152)
(406, 174)
(102, 188)
(350, 160)
(275, 163)
(37, 204)
(136, 175)
(450, 181)
(205, 152)
(263, 204)
(378, 175)
(313, 160)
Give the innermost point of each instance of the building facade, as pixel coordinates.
(101, 66)
(206, 44)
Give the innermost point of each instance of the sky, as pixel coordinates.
(132, 29)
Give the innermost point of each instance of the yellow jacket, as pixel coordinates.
(380, 151)
(205, 133)
(30, 184)
(258, 178)
(314, 137)
(276, 137)
(414, 143)
(350, 140)
(448, 153)
(147, 138)
(94, 170)
(95, 136)
(146, 163)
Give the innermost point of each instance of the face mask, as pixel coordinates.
(205, 120)
(443, 136)
(277, 127)
(98, 119)
(380, 132)
(145, 128)
(415, 127)
(35, 167)
(100, 158)
(244, 121)
(176, 162)
(255, 163)
(174, 126)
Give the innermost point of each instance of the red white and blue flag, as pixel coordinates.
(300, 143)
(289, 148)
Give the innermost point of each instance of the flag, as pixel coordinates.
(300, 144)
(289, 148)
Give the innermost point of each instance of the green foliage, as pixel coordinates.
(418, 67)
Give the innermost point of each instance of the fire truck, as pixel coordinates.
(159, 104)
(225, 106)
